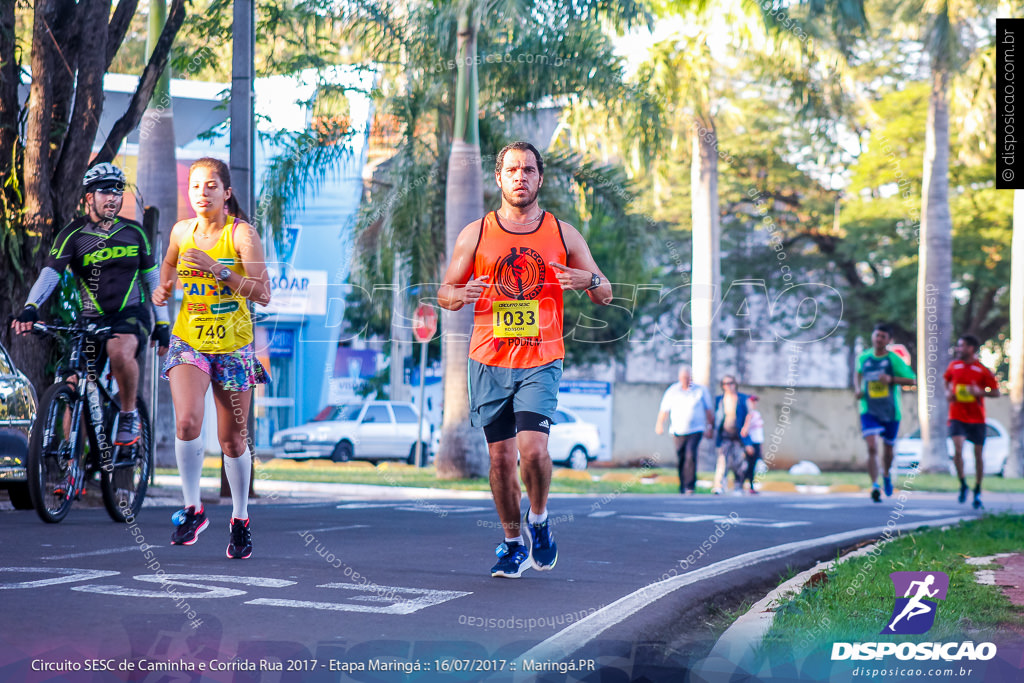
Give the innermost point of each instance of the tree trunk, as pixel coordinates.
(463, 452)
(706, 269)
(158, 183)
(934, 281)
(1015, 463)
(10, 78)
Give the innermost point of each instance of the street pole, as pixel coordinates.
(423, 406)
(242, 160)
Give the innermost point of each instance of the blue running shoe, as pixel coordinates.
(513, 560)
(977, 500)
(962, 498)
(876, 494)
(543, 550)
(887, 483)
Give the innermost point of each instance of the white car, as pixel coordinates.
(374, 430)
(907, 451)
(571, 441)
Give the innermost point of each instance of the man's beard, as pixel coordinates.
(106, 214)
(512, 200)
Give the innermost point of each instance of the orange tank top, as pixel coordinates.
(517, 321)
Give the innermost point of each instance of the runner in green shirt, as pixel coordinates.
(880, 373)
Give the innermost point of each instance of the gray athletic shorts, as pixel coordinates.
(531, 389)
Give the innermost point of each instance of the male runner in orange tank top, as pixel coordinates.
(512, 266)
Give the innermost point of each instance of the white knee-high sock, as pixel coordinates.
(238, 471)
(189, 455)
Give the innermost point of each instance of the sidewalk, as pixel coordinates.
(167, 491)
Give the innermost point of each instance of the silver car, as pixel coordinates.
(17, 412)
(374, 430)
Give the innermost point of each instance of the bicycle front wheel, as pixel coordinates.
(55, 454)
(125, 479)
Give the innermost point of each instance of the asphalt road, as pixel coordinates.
(342, 591)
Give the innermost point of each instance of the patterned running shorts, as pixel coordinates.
(237, 370)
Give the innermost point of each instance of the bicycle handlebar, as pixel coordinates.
(77, 328)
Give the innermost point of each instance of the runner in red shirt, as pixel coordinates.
(968, 382)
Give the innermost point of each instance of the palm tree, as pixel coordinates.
(1015, 464)
(157, 180)
(687, 77)
(424, 35)
(944, 29)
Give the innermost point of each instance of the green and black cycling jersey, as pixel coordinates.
(110, 266)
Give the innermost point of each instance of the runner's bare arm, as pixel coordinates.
(458, 289)
(579, 271)
(169, 266)
(255, 285)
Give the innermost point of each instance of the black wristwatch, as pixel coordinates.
(595, 281)
(223, 274)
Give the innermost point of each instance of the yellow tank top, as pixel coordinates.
(212, 319)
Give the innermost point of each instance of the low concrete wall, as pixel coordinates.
(820, 425)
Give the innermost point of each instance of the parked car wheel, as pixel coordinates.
(342, 452)
(423, 454)
(20, 498)
(578, 458)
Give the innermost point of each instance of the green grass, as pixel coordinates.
(637, 479)
(856, 600)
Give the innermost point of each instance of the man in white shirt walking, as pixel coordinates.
(687, 406)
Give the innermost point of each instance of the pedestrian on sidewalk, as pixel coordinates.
(687, 407)
(968, 383)
(218, 257)
(880, 374)
(512, 266)
(752, 435)
(730, 416)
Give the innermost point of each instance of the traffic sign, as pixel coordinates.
(424, 322)
(901, 351)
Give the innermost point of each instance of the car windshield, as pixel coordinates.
(343, 413)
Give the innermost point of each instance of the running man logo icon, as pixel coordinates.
(914, 612)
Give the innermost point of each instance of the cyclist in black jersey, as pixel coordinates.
(114, 265)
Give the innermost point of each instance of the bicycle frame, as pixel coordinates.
(93, 396)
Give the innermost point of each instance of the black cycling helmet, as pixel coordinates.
(103, 176)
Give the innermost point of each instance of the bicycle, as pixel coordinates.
(80, 410)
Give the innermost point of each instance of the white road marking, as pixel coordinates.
(190, 580)
(602, 513)
(338, 528)
(125, 549)
(399, 605)
(816, 506)
(412, 506)
(572, 638)
(64, 575)
(364, 506)
(434, 509)
(929, 513)
(735, 521)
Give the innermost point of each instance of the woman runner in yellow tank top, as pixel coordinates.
(218, 258)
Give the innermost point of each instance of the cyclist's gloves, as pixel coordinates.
(29, 314)
(162, 335)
